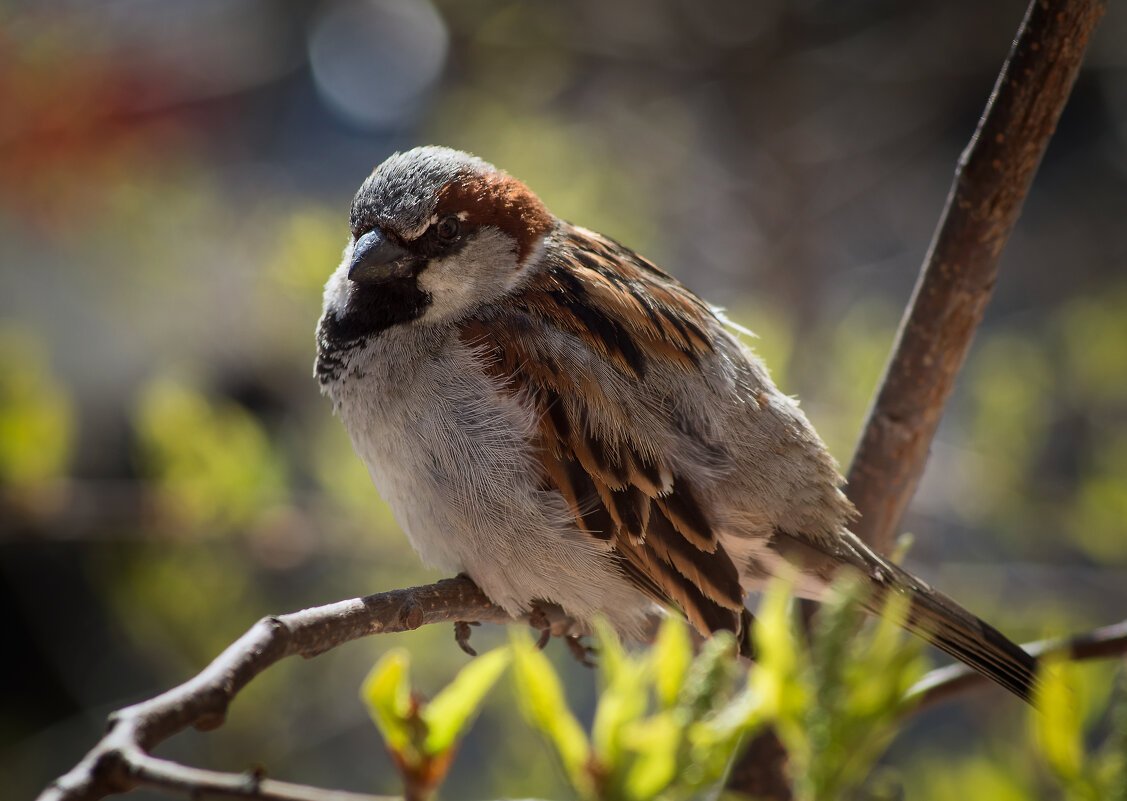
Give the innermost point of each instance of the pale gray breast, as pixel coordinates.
(451, 454)
(448, 452)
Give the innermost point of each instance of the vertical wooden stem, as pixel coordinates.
(992, 179)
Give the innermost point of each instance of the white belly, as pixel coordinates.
(451, 456)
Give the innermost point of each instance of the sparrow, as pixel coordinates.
(553, 415)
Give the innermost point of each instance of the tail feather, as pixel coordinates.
(958, 633)
(931, 614)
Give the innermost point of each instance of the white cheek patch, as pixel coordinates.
(485, 269)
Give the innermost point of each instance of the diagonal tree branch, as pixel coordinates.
(197, 783)
(121, 761)
(992, 179)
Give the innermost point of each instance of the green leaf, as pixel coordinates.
(711, 678)
(1058, 726)
(859, 671)
(738, 717)
(387, 694)
(612, 656)
(454, 708)
(654, 742)
(714, 740)
(542, 701)
(776, 678)
(670, 657)
(622, 701)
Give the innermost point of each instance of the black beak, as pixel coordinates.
(376, 259)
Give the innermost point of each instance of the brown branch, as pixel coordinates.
(959, 272)
(198, 783)
(121, 760)
(946, 682)
(992, 178)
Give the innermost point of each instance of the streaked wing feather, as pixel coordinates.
(633, 316)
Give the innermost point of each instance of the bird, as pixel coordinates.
(551, 414)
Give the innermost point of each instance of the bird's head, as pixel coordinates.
(435, 234)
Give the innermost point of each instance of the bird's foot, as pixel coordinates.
(538, 619)
(584, 654)
(462, 635)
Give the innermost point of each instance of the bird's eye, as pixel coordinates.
(448, 228)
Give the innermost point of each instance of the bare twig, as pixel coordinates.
(121, 760)
(945, 682)
(991, 181)
(198, 783)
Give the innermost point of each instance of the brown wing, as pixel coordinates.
(619, 488)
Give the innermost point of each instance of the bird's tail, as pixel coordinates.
(933, 616)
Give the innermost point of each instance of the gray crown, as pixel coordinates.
(402, 191)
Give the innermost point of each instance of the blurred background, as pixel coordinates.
(174, 186)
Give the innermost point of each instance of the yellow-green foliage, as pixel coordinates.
(1059, 730)
(212, 459)
(1076, 748)
(36, 418)
(836, 702)
(1099, 511)
(310, 242)
(1009, 383)
(181, 597)
(665, 723)
(668, 722)
(422, 736)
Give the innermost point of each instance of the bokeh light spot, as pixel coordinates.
(374, 61)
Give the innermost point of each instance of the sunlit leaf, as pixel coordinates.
(776, 675)
(670, 657)
(711, 677)
(386, 693)
(612, 656)
(714, 739)
(623, 698)
(451, 711)
(1058, 726)
(541, 699)
(938, 778)
(653, 742)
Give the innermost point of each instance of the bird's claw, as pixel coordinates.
(462, 635)
(538, 620)
(582, 652)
